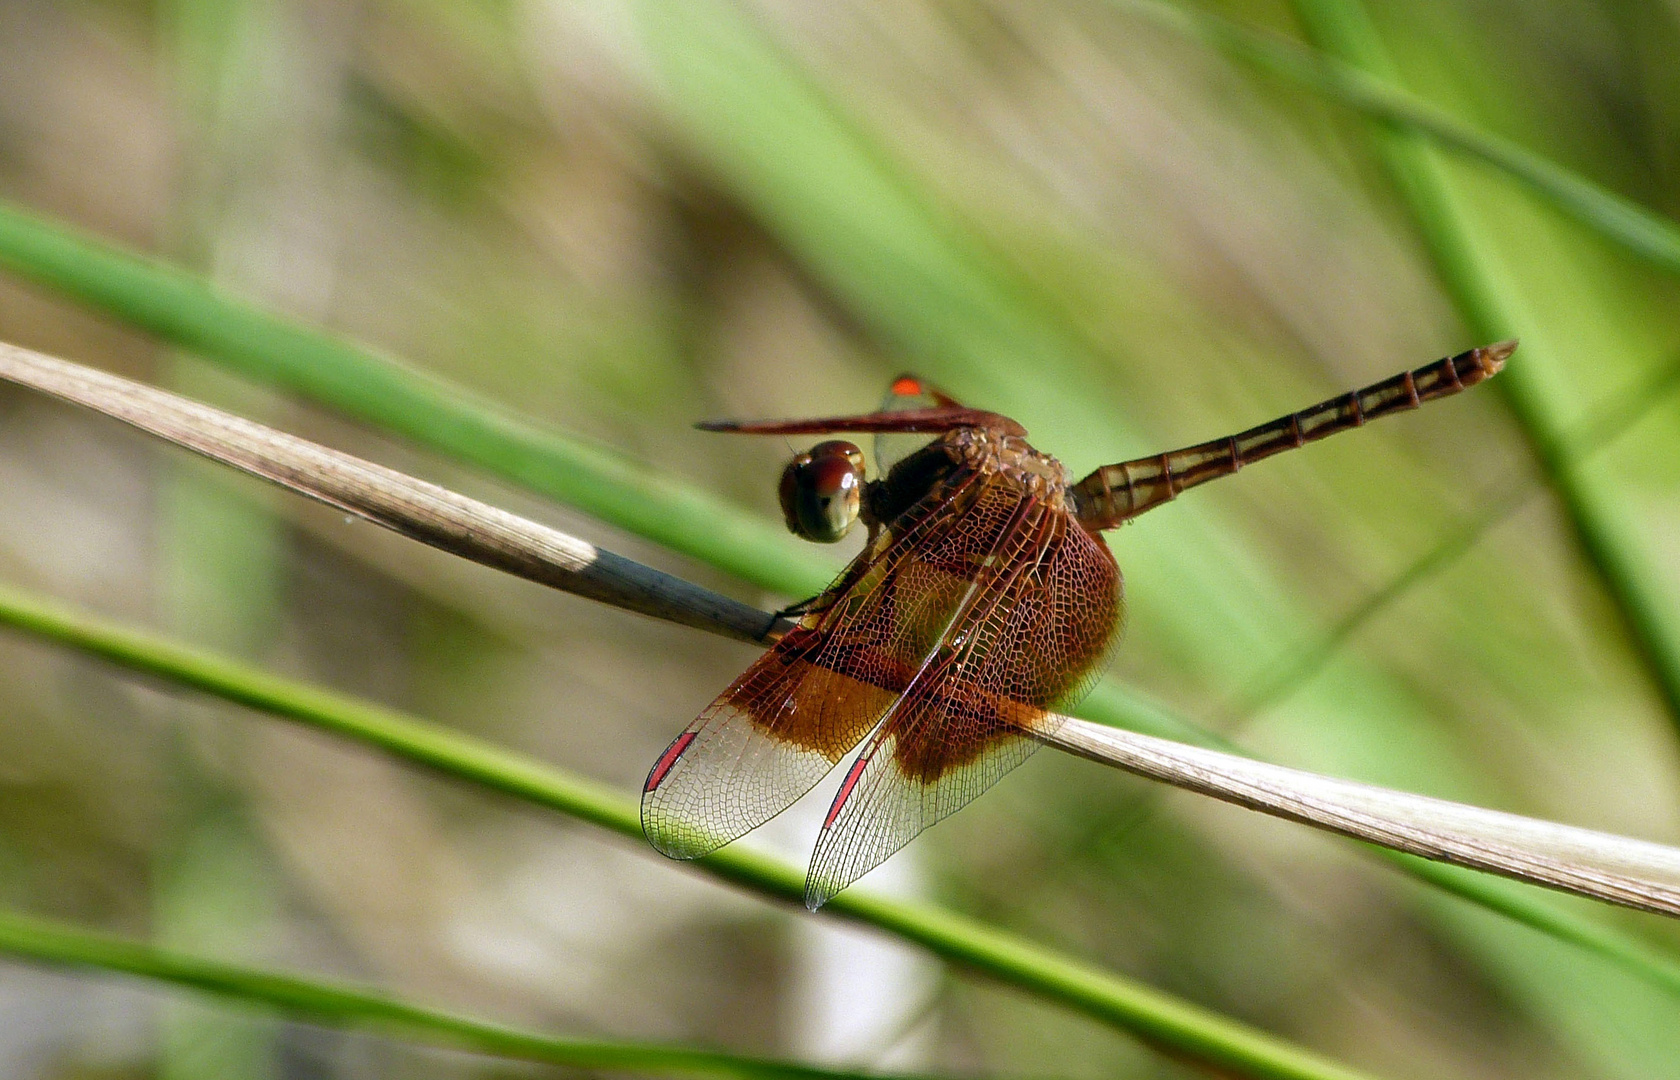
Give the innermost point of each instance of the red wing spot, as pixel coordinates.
(845, 790)
(662, 767)
(907, 386)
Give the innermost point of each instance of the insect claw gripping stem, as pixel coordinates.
(1114, 494)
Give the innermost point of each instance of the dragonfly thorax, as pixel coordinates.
(981, 450)
(1038, 474)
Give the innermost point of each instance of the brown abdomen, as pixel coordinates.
(1116, 493)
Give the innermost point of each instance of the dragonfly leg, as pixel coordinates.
(816, 604)
(826, 599)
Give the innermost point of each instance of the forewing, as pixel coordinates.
(1033, 637)
(807, 702)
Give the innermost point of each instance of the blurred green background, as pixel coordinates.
(616, 218)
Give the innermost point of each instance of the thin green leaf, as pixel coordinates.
(1131, 710)
(377, 389)
(337, 1005)
(1487, 306)
(1607, 423)
(443, 519)
(1107, 704)
(1642, 231)
(1124, 1004)
(1161, 1019)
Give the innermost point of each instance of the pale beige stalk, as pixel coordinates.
(415, 508)
(1634, 873)
(1616, 869)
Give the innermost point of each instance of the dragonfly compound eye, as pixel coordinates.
(822, 490)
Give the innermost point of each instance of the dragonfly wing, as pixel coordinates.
(907, 393)
(1033, 636)
(807, 702)
(762, 744)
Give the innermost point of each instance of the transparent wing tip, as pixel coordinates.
(819, 891)
(676, 840)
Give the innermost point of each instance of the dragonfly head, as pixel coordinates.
(822, 491)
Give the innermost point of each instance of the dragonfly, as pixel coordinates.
(1614, 869)
(984, 604)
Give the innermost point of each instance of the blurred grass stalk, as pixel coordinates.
(1371, 91)
(1153, 1016)
(220, 557)
(186, 311)
(1491, 308)
(181, 309)
(482, 534)
(1158, 1018)
(349, 1007)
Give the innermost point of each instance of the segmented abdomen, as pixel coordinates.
(1116, 493)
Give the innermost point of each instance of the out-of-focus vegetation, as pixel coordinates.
(615, 218)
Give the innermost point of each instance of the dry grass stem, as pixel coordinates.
(1599, 865)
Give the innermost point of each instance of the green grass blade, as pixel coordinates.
(1159, 723)
(1161, 1019)
(1525, 905)
(377, 389)
(173, 304)
(1522, 903)
(1489, 308)
(342, 1006)
(138, 276)
(1642, 231)
(1612, 419)
(1607, 423)
(1171, 1023)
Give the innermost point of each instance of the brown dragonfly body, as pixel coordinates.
(984, 602)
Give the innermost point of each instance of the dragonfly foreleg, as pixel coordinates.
(815, 605)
